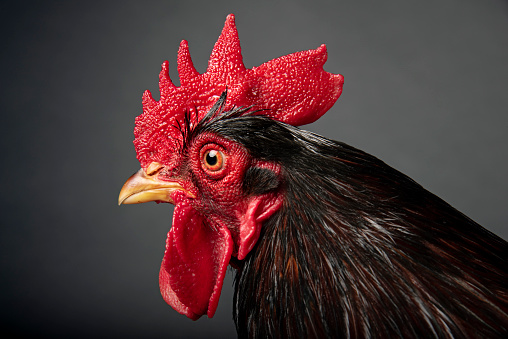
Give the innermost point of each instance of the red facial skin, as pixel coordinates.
(219, 221)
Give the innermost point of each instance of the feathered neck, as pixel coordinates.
(360, 250)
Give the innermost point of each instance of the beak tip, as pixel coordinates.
(121, 198)
(140, 188)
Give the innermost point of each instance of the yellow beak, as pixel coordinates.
(142, 187)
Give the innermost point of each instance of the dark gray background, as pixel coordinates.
(426, 86)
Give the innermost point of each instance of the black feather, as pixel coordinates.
(358, 249)
(258, 181)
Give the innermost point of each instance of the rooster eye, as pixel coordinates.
(213, 160)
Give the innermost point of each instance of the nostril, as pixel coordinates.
(168, 173)
(153, 168)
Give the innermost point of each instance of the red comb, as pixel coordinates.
(293, 89)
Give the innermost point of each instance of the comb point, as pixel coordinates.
(226, 57)
(186, 69)
(166, 86)
(148, 100)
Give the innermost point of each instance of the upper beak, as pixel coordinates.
(142, 187)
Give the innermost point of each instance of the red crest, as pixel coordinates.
(293, 89)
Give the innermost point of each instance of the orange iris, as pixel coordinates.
(213, 160)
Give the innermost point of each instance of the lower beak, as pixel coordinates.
(141, 187)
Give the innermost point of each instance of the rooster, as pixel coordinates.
(327, 240)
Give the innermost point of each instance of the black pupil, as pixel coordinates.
(211, 158)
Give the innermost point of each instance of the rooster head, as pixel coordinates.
(222, 194)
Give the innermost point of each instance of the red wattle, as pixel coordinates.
(195, 262)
